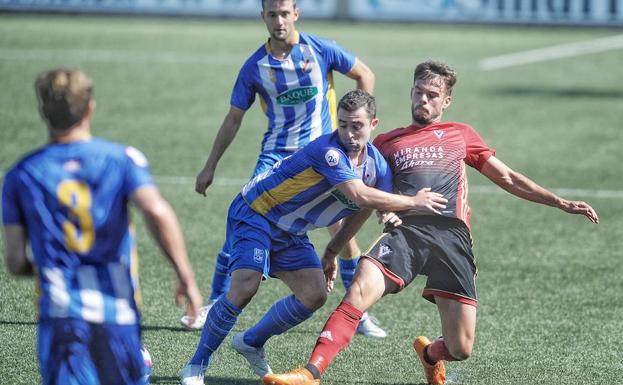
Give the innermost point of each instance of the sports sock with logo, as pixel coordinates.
(282, 316)
(219, 322)
(220, 278)
(337, 333)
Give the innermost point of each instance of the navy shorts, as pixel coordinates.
(257, 244)
(435, 246)
(73, 351)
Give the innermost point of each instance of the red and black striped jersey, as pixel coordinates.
(435, 156)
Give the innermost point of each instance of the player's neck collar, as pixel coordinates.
(295, 41)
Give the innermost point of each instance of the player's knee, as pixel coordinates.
(315, 300)
(241, 294)
(462, 350)
(355, 293)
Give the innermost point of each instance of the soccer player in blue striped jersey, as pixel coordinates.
(339, 175)
(292, 74)
(69, 200)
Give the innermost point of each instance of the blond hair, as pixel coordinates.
(64, 95)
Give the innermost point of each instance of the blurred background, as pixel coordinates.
(541, 81)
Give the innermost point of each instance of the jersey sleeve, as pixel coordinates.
(332, 163)
(338, 58)
(476, 150)
(243, 93)
(137, 170)
(11, 209)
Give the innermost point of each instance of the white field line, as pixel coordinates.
(116, 56)
(482, 189)
(147, 57)
(553, 52)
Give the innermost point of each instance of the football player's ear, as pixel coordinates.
(374, 123)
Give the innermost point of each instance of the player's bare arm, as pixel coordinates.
(523, 187)
(350, 226)
(424, 202)
(363, 75)
(224, 137)
(15, 250)
(164, 226)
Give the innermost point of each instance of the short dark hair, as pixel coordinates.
(355, 99)
(431, 68)
(264, 3)
(64, 95)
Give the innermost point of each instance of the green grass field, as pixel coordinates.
(550, 284)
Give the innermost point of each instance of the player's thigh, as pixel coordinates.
(369, 285)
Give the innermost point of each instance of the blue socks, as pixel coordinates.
(282, 316)
(220, 279)
(347, 270)
(220, 320)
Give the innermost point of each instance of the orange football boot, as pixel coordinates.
(300, 376)
(435, 374)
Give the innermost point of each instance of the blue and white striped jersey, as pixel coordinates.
(72, 200)
(299, 194)
(296, 94)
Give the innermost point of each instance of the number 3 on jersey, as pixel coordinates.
(77, 197)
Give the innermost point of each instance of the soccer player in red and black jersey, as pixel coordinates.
(427, 154)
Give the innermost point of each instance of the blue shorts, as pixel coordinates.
(73, 351)
(258, 244)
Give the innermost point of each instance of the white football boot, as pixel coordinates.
(368, 326)
(192, 375)
(201, 317)
(255, 357)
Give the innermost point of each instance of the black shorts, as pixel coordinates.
(437, 247)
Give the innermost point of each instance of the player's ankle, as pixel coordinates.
(315, 372)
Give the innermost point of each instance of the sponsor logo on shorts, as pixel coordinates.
(326, 334)
(258, 255)
(332, 157)
(297, 96)
(383, 250)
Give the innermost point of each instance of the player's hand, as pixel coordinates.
(204, 180)
(428, 202)
(329, 266)
(390, 217)
(579, 207)
(190, 295)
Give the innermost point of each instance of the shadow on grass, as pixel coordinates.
(233, 332)
(160, 328)
(234, 381)
(30, 323)
(570, 93)
(208, 380)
